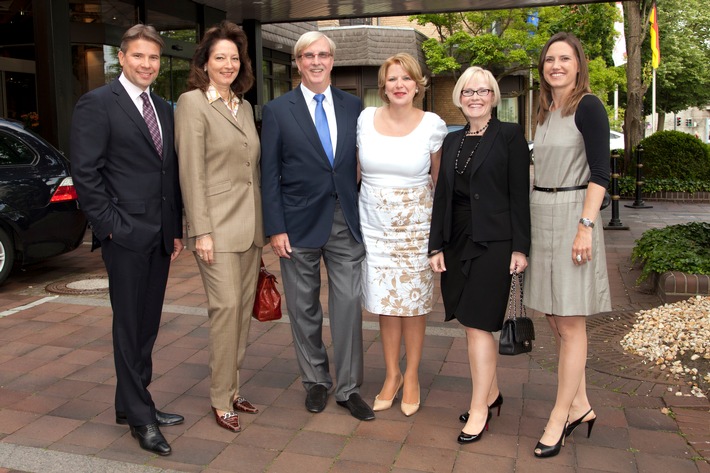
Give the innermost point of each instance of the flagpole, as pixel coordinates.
(653, 104)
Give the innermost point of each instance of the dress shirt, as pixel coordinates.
(134, 92)
(329, 109)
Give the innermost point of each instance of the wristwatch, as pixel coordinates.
(586, 222)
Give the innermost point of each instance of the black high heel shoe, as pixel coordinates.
(580, 421)
(545, 451)
(465, 438)
(497, 403)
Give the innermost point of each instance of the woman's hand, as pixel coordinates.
(437, 262)
(582, 246)
(518, 262)
(204, 247)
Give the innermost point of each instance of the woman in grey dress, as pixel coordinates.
(567, 277)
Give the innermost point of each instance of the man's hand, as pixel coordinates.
(281, 245)
(177, 249)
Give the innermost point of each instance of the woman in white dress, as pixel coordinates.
(399, 149)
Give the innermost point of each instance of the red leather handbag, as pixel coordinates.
(267, 303)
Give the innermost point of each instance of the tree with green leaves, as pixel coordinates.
(510, 41)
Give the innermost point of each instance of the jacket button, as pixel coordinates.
(475, 196)
(249, 183)
(246, 144)
(248, 164)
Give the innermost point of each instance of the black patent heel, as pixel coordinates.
(546, 451)
(580, 421)
(497, 403)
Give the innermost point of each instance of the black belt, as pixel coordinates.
(559, 189)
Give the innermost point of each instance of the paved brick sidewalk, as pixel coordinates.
(57, 383)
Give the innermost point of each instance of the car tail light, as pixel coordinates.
(65, 191)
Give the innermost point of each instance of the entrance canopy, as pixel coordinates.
(283, 11)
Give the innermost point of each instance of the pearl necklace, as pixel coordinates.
(470, 156)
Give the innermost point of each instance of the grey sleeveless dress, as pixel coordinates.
(553, 283)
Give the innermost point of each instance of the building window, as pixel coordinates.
(277, 73)
(508, 110)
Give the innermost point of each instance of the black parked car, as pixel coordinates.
(39, 211)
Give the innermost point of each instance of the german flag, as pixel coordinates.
(655, 40)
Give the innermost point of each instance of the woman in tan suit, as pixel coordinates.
(218, 151)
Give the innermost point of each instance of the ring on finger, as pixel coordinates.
(579, 258)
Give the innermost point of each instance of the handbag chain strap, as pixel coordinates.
(513, 308)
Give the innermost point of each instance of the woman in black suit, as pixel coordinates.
(480, 232)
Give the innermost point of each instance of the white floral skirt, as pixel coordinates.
(396, 276)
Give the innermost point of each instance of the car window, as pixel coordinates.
(14, 152)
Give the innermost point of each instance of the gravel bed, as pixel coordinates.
(676, 338)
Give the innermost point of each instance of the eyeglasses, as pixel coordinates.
(471, 92)
(311, 56)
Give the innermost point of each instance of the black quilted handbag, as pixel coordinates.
(518, 331)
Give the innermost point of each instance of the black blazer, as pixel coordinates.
(500, 189)
(124, 187)
(298, 185)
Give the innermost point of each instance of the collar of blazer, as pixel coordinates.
(482, 152)
(303, 118)
(127, 105)
(219, 105)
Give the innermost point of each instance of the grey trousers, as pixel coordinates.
(343, 257)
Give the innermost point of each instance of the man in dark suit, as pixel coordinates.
(309, 194)
(125, 171)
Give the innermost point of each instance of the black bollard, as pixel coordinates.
(615, 222)
(639, 203)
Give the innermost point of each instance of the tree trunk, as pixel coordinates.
(634, 116)
(661, 121)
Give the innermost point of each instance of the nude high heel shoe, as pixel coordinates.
(384, 404)
(410, 409)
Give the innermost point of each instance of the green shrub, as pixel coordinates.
(674, 154)
(627, 185)
(684, 247)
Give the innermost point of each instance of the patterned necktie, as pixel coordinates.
(323, 129)
(152, 122)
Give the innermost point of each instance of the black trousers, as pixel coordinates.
(137, 283)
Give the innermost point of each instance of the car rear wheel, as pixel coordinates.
(7, 255)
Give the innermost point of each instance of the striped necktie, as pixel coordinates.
(152, 122)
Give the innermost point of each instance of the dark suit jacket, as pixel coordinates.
(299, 187)
(124, 187)
(500, 189)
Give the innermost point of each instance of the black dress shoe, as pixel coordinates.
(150, 438)
(316, 398)
(357, 407)
(163, 419)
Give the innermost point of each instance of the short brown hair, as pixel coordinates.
(141, 31)
(199, 79)
(410, 65)
(581, 87)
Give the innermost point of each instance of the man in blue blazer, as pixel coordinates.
(125, 172)
(309, 194)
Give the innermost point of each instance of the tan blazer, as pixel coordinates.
(219, 172)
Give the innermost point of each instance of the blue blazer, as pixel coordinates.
(298, 185)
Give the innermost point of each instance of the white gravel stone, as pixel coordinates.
(663, 334)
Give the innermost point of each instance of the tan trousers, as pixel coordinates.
(230, 284)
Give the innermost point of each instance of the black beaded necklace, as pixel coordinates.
(470, 156)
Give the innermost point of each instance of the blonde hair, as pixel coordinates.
(411, 67)
(470, 73)
(309, 38)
